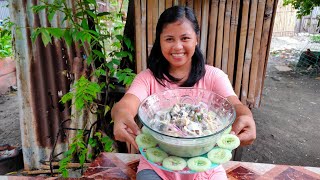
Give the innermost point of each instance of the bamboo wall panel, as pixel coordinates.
(235, 36)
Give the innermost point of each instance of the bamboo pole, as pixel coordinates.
(150, 4)
(182, 2)
(175, 2)
(197, 10)
(189, 3)
(212, 31)
(155, 16)
(137, 13)
(255, 52)
(226, 36)
(162, 6)
(248, 53)
(263, 50)
(168, 3)
(204, 27)
(269, 40)
(233, 36)
(143, 34)
(242, 45)
(217, 62)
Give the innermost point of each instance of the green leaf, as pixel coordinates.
(35, 34)
(38, 8)
(90, 13)
(84, 24)
(68, 37)
(106, 109)
(56, 32)
(99, 53)
(46, 38)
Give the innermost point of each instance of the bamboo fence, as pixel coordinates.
(235, 36)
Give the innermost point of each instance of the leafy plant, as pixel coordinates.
(100, 37)
(315, 38)
(304, 7)
(5, 40)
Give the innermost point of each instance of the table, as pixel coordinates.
(124, 166)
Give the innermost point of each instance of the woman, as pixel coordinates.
(176, 61)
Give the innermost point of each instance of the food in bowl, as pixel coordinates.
(186, 120)
(186, 145)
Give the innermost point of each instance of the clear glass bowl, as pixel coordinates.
(186, 146)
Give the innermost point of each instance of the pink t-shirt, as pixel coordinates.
(215, 80)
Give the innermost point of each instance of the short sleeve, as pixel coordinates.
(141, 85)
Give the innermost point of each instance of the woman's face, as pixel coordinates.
(178, 41)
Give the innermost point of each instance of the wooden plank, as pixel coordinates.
(137, 14)
(182, 2)
(255, 52)
(143, 34)
(263, 50)
(162, 7)
(222, 5)
(168, 3)
(197, 10)
(275, 4)
(155, 16)
(204, 27)
(233, 36)
(248, 53)
(242, 45)
(212, 31)
(189, 3)
(150, 4)
(226, 36)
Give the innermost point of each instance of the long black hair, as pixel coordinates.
(158, 64)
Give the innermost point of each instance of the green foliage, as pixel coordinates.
(5, 40)
(84, 93)
(315, 38)
(304, 7)
(103, 44)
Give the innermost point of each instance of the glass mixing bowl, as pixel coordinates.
(186, 146)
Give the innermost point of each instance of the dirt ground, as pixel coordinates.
(287, 121)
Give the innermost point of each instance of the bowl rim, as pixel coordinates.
(190, 138)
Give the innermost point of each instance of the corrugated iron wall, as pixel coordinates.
(4, 11)
(42, 78)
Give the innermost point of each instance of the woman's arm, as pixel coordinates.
(244, 126)
(123, 112)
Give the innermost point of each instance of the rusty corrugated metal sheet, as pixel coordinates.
(4, 10)
(42, 76)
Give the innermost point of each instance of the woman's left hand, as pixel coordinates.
(244, 127)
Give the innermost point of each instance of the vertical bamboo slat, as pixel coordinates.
(189, 3)
(150, 4)
(168, 3)
(137, 13)
(263, 49)
(182, 2)
(255, 52)
(248, 54)
(204, 26)
(226, 36)
(162, 7)
(155, 18)
(212, 29)
(144, 34)
(197, 10)
(242, 45)
(233, 36)
(222, 5)
(269, 42)
(175, 2)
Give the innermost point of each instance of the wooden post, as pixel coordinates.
(233, 38)
(222, 5)
(150, 24)
(255, 51)
(212, 31)
(204, 27)
(143, 35)
(248, 53)
(137, 13)
(242, 45)
(226, 36)
(197, 10)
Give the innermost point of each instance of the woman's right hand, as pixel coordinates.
(125, 129)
